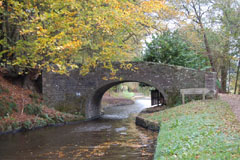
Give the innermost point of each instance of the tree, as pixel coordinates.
(37, 34)
(170, 48)
(194, 12)
(215, 26)
(236, 83)
(227, 13)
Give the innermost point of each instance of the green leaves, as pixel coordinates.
(170, 48)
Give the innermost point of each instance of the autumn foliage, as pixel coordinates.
(42, 34)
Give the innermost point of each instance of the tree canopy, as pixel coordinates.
(169, 48)
(36, 33)
(212, 27)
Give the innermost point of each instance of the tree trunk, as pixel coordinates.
(236, 83)
(207, 47)
(224, 66)
(223, 78)
(239, 88)
(209, 52)
(229, 75)
(32, 81)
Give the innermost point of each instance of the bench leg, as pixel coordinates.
(183, 99)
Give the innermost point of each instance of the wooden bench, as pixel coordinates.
(191, 91)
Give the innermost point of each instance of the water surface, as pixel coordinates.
(113, 137)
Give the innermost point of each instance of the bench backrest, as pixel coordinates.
(195, 91)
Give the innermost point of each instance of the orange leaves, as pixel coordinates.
(71, 45)
(61, 155)
(152, 5)
(94, 31)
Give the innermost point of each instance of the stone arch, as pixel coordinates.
(94, 106)
(168, 79)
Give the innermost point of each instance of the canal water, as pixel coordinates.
(112, 137)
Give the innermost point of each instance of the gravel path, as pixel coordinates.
(234, 101)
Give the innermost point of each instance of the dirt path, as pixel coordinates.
(234, 101)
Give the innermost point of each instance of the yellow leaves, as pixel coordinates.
(136, 68)
(126, 66)
(105, 78)
(73, 66)
(41, 31)
(113, 78)
(48, 68)
(152, 6)
(26, 31)
(61, 29)
(73, 45)
(85, 70)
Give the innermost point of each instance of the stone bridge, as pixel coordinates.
(87, 91)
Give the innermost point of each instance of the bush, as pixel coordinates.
(2, 90)
(27, 125)
(49, 119)
(15, 125)
(34, 97)
(170, 48)
(6, 107)
(31, 109)
(13, 106)
(4, 111)
(58, 119)
(41, 122)
(1, 128)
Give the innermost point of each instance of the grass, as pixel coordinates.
(198, 130)
(124, 94)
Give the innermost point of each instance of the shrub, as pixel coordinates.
(49, 119)
(31, 109)
(41, 122)
(2, 90)
(13, 106)
(1, 128)
(7, 108)
(34, 97)
(58, 118)
(4, 111)
(27, 124)
(15, 125)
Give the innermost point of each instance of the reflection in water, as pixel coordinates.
(114, 136)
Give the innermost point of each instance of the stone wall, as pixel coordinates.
(87, 91)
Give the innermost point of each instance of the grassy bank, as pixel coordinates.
(124, 94)
(198, 130)
(117, 99)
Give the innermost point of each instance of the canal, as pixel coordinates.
(112, 137)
